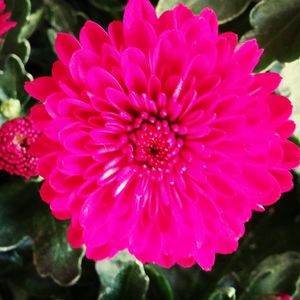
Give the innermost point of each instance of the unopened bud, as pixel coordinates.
(10, 109)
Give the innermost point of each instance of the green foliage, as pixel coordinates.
(9, 260)
(110, 6)
(63, 17)
(15, 41)
(224, 294)
(277, 273)
(53, 256)
(226, 10)
(12, 79)
(290, 87)
(275, 26)
(159, 286)
(122, 277)
(33, 21)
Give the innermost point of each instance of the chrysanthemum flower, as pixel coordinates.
(158, 138)
(16, 138)
(5, 25)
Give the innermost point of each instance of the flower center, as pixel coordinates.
(155, 144)
(21, 141)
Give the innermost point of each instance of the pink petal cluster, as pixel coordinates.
(16, 138)
(158, 138)
(5, 25)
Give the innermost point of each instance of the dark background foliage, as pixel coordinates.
(36, 261)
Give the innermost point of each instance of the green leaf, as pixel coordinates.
(12, 80)
(9, 261)
(289, 87)
(296, 295)
(23, 214)
(110, 6)
(51, 34)
(54, 256)
(122, 278)
(239, 25)
(159, 287)
(276, 274)
(228, 293)
(226, 10)
(14, 41)
(36, 287)
(31, 25)
(63, 17)
(276, 28)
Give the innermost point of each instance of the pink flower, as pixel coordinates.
(16, 137)
(4, 24)
(158, 138)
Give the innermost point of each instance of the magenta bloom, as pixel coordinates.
(16, 137)
(5, 25)
(158, 138)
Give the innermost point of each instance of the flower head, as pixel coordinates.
(5, 25)
(157, 137)
(16, 138)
